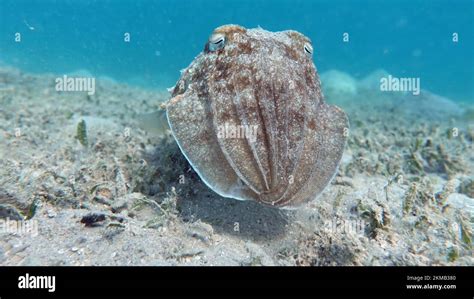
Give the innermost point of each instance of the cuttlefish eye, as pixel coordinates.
(308, 49)
(216, 41)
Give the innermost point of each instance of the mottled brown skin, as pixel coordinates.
(264, 79)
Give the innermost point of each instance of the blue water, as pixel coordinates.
(407, 38)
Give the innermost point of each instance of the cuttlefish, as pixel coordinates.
(249, 116)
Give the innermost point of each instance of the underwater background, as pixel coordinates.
(406, 38)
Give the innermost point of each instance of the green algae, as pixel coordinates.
(81, 133)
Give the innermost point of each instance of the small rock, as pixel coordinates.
(81, 240)
(119, 205)
(103, 200)
(51, 214)
(125, 201)
(85, 206)
(201, 231)
(10, 212)
(344, 181)
(93, 219)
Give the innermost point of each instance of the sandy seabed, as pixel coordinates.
(91, 186)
